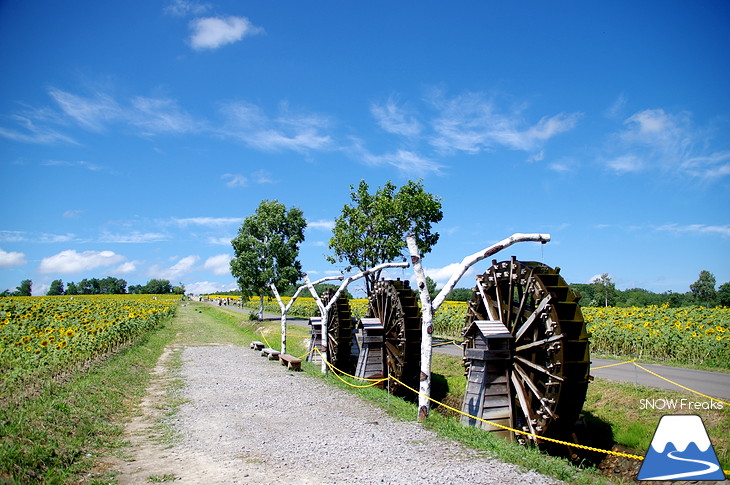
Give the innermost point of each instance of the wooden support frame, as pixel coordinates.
(428, 307)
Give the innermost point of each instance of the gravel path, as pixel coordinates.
(249, 420)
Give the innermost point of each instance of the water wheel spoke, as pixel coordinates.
(533, 388)
(532, 318)
(539, 343)
(522, 399)
(538, 368)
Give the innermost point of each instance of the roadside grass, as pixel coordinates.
(612, 416)
(56, 436)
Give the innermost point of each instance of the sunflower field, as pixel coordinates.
(688, 335)
(51, 335)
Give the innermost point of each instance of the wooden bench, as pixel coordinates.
(272, 354)
(291, 362)
(256, 345)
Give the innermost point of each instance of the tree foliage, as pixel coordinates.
(372, 229)
(604, 291)
(267, 247)
(704, 288)
(56, 288)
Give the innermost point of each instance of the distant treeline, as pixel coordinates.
(96, 286)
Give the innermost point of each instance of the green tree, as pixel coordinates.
(266, 249)
(704, 288)
(372, 229)
(723, 294)
(431, 287)
(56, 288)
(72, 289)
(604, 290)
(24, 289)
(157, 287)
(112, 286)
(179, 289)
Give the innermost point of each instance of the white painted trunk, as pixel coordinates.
(428, 307)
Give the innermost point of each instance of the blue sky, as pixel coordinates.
(136, 136)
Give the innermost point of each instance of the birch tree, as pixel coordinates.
(266, 249)
(429, 306)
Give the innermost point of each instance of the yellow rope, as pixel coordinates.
(374, 382)
(544, 438)
(613, 365)
(633, 361)
(679, 385)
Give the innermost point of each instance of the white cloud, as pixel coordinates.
(31, 132)
(220, 241)
(12, 236)
(219, 264)
(207, 221)
(215, 32)
(208, 287)
(287, 131)
(472, 123)
(235, 180)
(125, 268)
(182, 8)
(325, 225)
(696, 228)
(406, 161)
(135, 237)
(443, 274)
(653, 139)
(80, 164)
(625, 164)
(160, 115)
(394, 119)
(11, 259)
(262, 177)
(177, 270)
(70, 261)
(92, 113)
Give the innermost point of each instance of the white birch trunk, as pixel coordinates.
(285, 309)
(428, 308)
(324, 310)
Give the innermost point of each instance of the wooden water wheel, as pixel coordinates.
(546, 357)
(339, 332)
(395, 304)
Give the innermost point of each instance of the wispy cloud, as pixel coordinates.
(654, 139)
(321, 224)
(79, 164)
(395, 119)
(235, 180)
(207, 221)
(299, 132)
(183, 8)
(215, 32)
(406, 161)
(134, 237)
(696, 229)
(160, 115)
(472, 123)
(29, 131)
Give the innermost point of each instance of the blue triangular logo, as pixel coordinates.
(681, 450)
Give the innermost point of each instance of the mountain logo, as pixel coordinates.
(681, 450)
